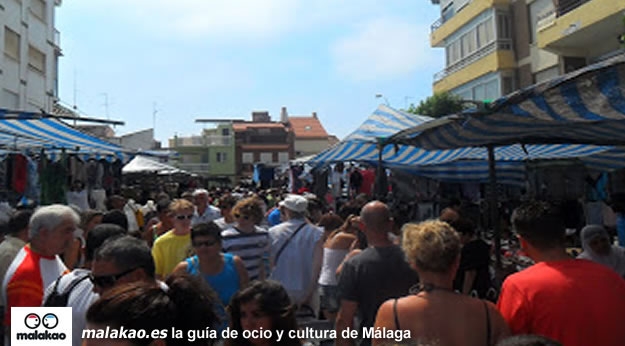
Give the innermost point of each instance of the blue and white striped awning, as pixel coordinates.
(583, 107)
(463, 164)
(26, 130)
(361, 145)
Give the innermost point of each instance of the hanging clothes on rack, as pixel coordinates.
(19, 174)
(53, 181)
(33, 186)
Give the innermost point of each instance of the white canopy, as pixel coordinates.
(142, 164)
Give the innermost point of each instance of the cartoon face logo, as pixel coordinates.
(50, 321)
(32, 321)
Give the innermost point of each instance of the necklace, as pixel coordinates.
(428, 287)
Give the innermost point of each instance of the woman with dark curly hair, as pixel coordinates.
(186, 304)
(263, 305)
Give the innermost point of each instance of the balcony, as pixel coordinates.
(445, 26)
(203, 141)
(199, 168)
(581, 28)
(565, 6)
(473, 57)
(496, 56)
(57, 38)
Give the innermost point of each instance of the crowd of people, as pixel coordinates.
(206, 261)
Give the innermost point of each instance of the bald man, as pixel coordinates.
(375, 275)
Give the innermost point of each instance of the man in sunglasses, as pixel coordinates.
(121, 260)
(76, 286)
(175, 245)
(37, 264)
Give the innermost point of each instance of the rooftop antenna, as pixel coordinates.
(75, 88)
(154, 111)
(106, 104)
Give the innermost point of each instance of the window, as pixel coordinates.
(492, 90)
(266, 157)
(11, 44)
(454, 53)
(36, 59)
(188, 158)
(475, 39)
(225, 132)
(38, 8)
(283, 157)
(503, 27)
(205, 158)
(469, 43)
(479, 93)
(485, 33)
(508, 85)
(247, 158)
(465, 95)
(10, 99)
(538, 9)
(222, 157)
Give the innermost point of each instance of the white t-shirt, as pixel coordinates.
(80, 299)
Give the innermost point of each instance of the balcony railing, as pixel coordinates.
(565, 6)
(437, 24)
(199, 168)
(57, 38)
(203, 141)
(503, 44)
(545, 19)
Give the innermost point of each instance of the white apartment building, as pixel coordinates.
(31, 49)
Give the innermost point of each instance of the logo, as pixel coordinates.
(41, 326)
(50, 321)
(32, 321)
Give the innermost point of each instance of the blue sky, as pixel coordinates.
(224, 59)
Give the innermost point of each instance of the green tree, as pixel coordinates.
(438, 105)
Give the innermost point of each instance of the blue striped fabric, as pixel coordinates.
(462, 164)
(29, 131)
(584, 107)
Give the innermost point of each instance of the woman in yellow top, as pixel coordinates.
(174, 246)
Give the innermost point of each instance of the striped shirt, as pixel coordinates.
(253, 248)
(26, 279)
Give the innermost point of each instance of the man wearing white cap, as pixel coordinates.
(296, 251)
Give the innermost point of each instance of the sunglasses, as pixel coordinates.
(245, 217)
(182, 217)
(204, 243)
(107, 281)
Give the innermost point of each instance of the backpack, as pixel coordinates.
(60, 299)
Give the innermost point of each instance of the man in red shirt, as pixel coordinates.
(37, 264)
(575, 302)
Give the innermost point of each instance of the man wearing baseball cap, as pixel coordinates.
(296, 251)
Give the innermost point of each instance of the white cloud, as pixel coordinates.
(214, 19)
(383, 49)
(232, 20)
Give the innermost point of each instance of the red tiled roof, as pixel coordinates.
(307, 127)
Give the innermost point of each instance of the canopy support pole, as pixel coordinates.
(379, 192)
(494, 205)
